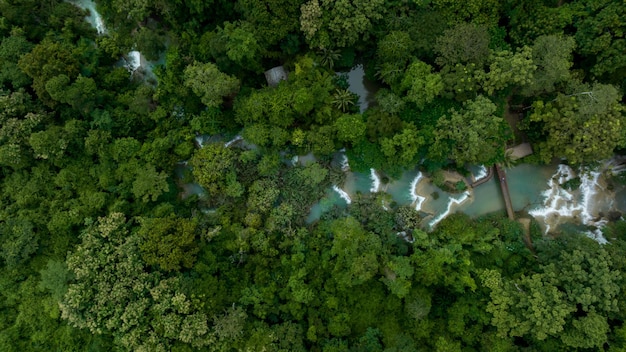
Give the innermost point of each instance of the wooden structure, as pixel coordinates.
(504, 186)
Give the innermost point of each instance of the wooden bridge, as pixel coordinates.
(504, 186)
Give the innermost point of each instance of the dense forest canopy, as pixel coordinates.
(104, 248)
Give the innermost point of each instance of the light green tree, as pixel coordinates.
(509, 69)
(350, 128)
(338, 23)
(113, 292)
(209, 83)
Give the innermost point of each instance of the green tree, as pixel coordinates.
(168, 242)
(211, 85)
(571, 298)
(420, 84)
(350, 128)
(462, 44)
(553, 57)
(112, 292)
(584, 126)
(509, 69)
(49, 59)
(214, 169)
(355, 252)
(340, 23)
(241, 43)
(11, 50)
(473, 135)
(483, 12)
(403, 148)
(599, 35)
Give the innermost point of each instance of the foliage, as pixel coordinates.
(103, 247)
(473, 135)
(584, 126)
(330, 24)
(209, 83)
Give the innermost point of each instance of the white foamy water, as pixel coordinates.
(345, 163)
(133, 61)
(200, 140)
(416, 198)
(233, 141)
(375, 181)
(481, 173)
(345, 196)
(561, 205)
(453, 202)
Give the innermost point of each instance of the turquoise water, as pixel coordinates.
(526, 184)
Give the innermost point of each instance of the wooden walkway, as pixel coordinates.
(505, 192)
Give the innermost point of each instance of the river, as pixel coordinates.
(535, 190)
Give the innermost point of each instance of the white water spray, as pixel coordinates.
(343, 194)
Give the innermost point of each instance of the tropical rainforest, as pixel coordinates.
(101, 250)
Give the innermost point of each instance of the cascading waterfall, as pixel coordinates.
(560, 204)
(375, 181)
(343, 194)
(451, 203)
(416, 198)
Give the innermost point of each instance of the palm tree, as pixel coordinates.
(343, 99)
(508, 161)
(328, 57)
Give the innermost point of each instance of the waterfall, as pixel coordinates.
(482, 173)
(94, 17)
(345, 163)
(416, 198)
(133, 61)
(233, 141)
(375, 181)
(345, 196)
(560, 203)
(451, 203)
(200, 140)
